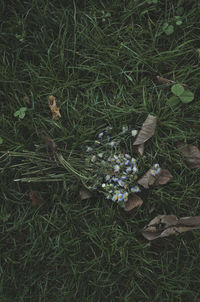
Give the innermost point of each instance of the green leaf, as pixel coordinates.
(23, 109)
(177, 89)
(173, 100)
(22, 115)
(165, 25)
(17, 113)
(187, 96)
(1, 140)
(179, 22)
(169, 30)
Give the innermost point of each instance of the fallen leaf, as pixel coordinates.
(146, 132)
(50, 144)
(139, 149)
(35, 198)
(54, 109)
(162, 80)
(166, 225)
(148, 180)
(134, 201)
(26, 99)
(191, 154)
(85, 194)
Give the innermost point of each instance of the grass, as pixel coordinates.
(102, 69)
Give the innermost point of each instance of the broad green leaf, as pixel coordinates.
(187, 96)
(165, 25)
(22, 109)
(17, 113)
(1, 140)
(169, 30)
(177, 89)
(22, 115)
(179, 22)
(173, 100)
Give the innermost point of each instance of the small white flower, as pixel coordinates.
(97, 142)
(107, 177)
(135, 169)
(116, 168)
(128, 170)
(93, 159)
(134, 132)
(127, 156)
(124, 129)
(89, 149)
(100, 135)
(103, 185)
(100, 155)
(135, 189)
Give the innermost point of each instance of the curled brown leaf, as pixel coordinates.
(148, 180)
(35, 198)
(146, 132)
(166, 225)
(162, 80)
(50, 144)
(134, 201)
(191, 154)
(54, 109)
(85, 194)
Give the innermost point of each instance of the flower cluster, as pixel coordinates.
(155, 170)
(114, 172)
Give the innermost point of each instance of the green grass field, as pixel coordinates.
(100, 59)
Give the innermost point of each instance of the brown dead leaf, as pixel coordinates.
(50, 144)
(162, 80)
(54, 109)
(166, 225)
(146, 132)
(85, 194)
(139, 149)
(26, 99)
(35, 198)
(148, 180)
(134, 201)
(191, 154)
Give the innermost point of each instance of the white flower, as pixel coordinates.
(100, 135)
(116, 168)
(89, 149)
(134, 132)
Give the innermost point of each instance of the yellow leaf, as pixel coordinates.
(54, 109)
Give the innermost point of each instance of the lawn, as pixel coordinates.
(100, 59)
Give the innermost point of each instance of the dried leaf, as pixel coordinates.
(147, 180)
(164, 80)
(35, 198)
(134, 201)
(147, 131)
(85, 194)
(139, 149)
(191, 154)
(26, 99)
(54, 109)
(166, 225)
(50, 144)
